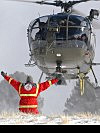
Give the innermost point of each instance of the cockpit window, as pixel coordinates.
(83, 24)
(35, 24)
(76, 20)
(38, 28)
(58, 27)
(68, 25)
(43, 19)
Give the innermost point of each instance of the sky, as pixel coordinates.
(14, 49)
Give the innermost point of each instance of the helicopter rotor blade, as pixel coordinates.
(57, 3)
(28, 1)
(37, 2)
(94, 0)
(90, 0)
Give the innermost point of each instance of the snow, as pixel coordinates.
(84, 121)
(28, 119)
(19, 118)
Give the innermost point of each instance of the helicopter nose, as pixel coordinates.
(65, 57)
(71, 56)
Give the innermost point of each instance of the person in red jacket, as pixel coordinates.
(28, 92)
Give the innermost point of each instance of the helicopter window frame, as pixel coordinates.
(82, 28)
(88, 23)
(54, 24)
(39, 26)
(67, 25)
(44, 17)
(35, 21)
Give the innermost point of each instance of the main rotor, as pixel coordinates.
(66, 6)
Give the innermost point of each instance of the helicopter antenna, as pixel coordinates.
(53, 12)
(39, 14)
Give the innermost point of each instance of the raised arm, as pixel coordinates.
(11, 81)
(43, 86)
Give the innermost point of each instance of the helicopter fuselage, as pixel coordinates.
(63, 42)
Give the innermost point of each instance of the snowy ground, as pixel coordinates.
(29, 119)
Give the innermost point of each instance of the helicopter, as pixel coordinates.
(63, 44)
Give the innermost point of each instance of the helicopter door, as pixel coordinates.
(34, 29)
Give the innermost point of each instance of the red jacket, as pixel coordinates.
(28, 98)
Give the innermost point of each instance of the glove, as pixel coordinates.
(3, 74)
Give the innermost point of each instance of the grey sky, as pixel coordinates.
(14, 51)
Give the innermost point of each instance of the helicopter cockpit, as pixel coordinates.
(39, 27)
(61, 27)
